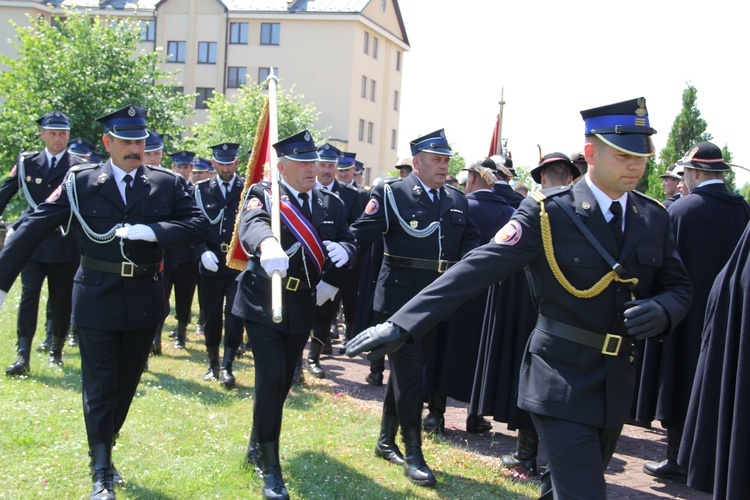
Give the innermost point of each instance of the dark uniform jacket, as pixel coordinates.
(489, 211)
(253, 300)
(506, 191)
(457, 235)
(103, 300)
(350, 197)
(559, 377)
(213, 202)
(41, 182)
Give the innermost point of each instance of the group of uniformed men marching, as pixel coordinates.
(602, 274)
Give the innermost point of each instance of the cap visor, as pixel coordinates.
(634, 144)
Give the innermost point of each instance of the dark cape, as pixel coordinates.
(716, 442)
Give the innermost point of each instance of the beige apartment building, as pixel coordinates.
(344, 56)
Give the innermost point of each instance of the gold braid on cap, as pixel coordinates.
(549, 252)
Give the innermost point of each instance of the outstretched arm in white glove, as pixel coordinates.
(210, 261)
(136, 232)
(325, 292)
(336, 253)
(273, 258)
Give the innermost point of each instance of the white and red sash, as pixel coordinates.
(303, 231)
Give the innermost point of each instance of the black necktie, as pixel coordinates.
(305, 205)
(226, 189)
(435, 198)
(53, 162)
(615, 224)
(128, 186)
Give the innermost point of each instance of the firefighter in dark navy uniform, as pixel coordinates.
(602, 266)
(313, 257)
(219, 199)
(426, 229)
(56, 259)
(124, 214)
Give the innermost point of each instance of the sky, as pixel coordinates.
(554, 59)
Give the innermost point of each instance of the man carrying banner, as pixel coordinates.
(314, 247)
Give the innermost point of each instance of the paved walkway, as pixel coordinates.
(625, 478)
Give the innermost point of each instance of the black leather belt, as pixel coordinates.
(431, 265)
(608, 343)
(124, 269)
(289, 283)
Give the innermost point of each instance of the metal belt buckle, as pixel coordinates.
(292, 284)
(607, 341)
(127, 270)
(442, 266)
(224, 248)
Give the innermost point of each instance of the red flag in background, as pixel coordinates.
(258, 166)
(496, 148)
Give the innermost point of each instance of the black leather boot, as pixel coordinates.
(313, 359)
(434, 422)
(252, 457)
(298, 378)
(21, 365)
(273, 483)
(415, 467)
(523, 460)
(181, 336)
(386, 446)
(226, 377)
(55, 351)
(669, 468)
(73, 336)
(156, 344)
(477, 423)
(101, 476)
(213, 363)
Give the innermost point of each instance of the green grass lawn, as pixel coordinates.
(186, 439)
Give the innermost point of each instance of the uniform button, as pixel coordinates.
(396, 281)
(94, 211)
(653, 260)
(544, 349)
(618, 289)
(576, 260)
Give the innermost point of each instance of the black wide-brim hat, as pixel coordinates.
(551, 158)
(704, 156)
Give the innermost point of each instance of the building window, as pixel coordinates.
(398, 60)
(370, 131)
(263, 74)
(364, 87)
(367, 43)
(372, 90)
(176, 51)
(395, 100)
(270, 33)
(178, 90)
(236, 76)
(207, 52)
(361, 130)
(204, 94)
(148, 31)
(394, 139)
(374, 47)
(238, 33)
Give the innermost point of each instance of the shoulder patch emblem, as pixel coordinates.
(253, 203)
(372, 207)
(55, 194)
(510, 234)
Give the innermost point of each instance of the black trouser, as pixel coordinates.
(349, 300)
(183, 279)
(275, 355)
(217, 297)
(60, 291)
(324, 316)
(112, 363)
(577, 456)
(404, 393)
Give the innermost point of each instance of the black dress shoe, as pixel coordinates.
(434, 423)
(477, 423)
(226, 378)
(103, 485)
(55, 359)
(520, 465)
(172, 334)
(390, 453)
(116, 477)
(211, 374)
(156, 347)
(19, 367)
(374, 378)
(44, 346)
(666, 469)
(315, 370)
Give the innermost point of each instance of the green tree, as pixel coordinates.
(236, 120)
(687, 129)
(457, 162)
(86, 67)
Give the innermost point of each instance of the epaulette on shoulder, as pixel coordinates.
(203, 181)
(391, 180)
(24, 154)
(159, 168)
(350, 187)
(542, 194)
(647, 197)
(329, 192)
(450, 186)
(262, 185)
(83, 166)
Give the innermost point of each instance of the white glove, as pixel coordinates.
(8, 234)
(2, 298)
(136, 232)
(273, 258)
(210, 261)
(336, 253)
(325, 292)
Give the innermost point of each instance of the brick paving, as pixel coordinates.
(625, 478)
